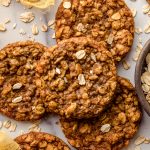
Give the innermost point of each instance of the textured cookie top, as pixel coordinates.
(40, 141)
(103, 20)
(81, 78)
(113, 129)
(19, 95)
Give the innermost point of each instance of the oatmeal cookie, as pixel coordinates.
(103, 20)
(81, 78)
(40, 141)
(112, 130)
(19, 93)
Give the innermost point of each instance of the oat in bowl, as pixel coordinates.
(81, 78)
(142, 77)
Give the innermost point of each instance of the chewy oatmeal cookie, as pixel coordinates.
(112, 130)
(40, 141)
(103, 20)
(19, 95)
(81, 78)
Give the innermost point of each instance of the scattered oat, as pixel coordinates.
(1, 124)
(137, 148)
(105, 128)
(139, 140)
(5, 3)
(22, 132)
(34, 128)
(146, 9)
(81, 79)
(140, 40)
(27, 17)
(147, 141)
(147, 29)
(12, 127)
(22, 32)
(14, 25)
(35, 30)
(7, 21)
(138, 30)
(126, 65)
(17, 99)
(53, 36)
(136, 55)
(134, 12)
(37, 122)
(2, 27)
(44, 28)
(80, 54)
(7, 124)
(51, 22)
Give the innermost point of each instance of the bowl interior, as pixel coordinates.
(141, 63)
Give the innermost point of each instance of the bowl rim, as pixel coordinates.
(137, 77)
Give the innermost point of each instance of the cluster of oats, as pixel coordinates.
(12, 126)
(27, 17)
(138, 49)
(7, 124)
(141, 140)
(145, 78)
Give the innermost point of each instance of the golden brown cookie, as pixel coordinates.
(103, 20)
(80, 75)
(148, 1)
(20, 97)
(113, 129)
(40, 141)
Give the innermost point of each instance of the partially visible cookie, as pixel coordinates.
(20, 96)
(148, 1)
(81, 78)
(113, 129)
(102, 20)
(40, 141)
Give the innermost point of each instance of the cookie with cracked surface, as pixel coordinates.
(103, 20)
(113, 129)
(40, 141)
(19, 90)
(81, 78)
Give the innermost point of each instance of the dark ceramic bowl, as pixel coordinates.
(141, 63)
